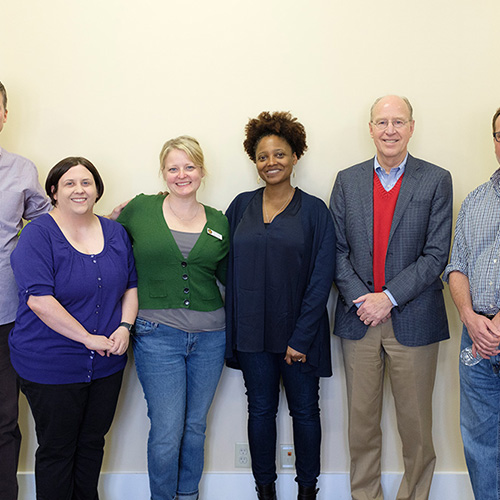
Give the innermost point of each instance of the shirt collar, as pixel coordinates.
(495, 177)
(401, 167)
(495, 181)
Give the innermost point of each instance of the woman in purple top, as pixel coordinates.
(78, 299)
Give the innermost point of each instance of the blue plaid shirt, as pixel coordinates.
(476, 249)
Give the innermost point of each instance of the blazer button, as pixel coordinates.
(369, 283)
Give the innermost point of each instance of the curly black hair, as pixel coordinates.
(279, 123)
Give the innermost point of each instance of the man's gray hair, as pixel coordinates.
(405, 99)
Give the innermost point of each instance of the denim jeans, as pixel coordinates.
(179, 373)
(479, 422)
(262, 372)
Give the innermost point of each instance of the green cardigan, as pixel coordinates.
(166, 279)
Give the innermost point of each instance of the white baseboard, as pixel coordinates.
(238, 486)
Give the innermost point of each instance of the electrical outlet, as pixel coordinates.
(242, 456)
(287, 456)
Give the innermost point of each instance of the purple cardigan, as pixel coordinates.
(89, 287)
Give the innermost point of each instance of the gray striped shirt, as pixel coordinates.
(21, 197)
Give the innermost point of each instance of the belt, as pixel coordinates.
(489, 316)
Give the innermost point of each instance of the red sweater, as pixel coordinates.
(384, 204)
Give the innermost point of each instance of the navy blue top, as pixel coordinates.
(89, 287)
(279, 278)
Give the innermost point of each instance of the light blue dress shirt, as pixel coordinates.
(389, 180)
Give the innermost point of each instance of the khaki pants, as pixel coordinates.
(411, 372)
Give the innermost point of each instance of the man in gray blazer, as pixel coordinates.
(393, 218)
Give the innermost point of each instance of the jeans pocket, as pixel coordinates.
(144, 327)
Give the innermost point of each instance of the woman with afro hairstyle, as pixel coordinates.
(281, 268)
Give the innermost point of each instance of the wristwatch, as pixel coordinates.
(128, 326)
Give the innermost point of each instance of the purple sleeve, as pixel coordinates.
(32, 262)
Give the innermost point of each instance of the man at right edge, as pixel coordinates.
(474, 278)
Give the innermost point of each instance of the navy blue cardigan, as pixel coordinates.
(305, 327)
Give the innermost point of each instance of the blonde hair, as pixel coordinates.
(189, 145)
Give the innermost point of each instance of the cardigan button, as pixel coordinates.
(187, 302)
(186, 290)
(184, 277)
(184, 264)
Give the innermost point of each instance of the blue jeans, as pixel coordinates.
(262, 372)
(479, 422)
(179, 373)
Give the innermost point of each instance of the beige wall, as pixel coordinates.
(112, 80)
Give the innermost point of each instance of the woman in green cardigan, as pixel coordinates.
(180, 248)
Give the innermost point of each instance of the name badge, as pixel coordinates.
(213, 233)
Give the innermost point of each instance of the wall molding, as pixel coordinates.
(231, 486)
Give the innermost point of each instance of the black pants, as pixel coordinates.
(10, 436)
(71, 421)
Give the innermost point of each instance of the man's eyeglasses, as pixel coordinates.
(383, 124)
(496, 135)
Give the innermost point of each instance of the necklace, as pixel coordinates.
(270, 219)
(181, 218)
